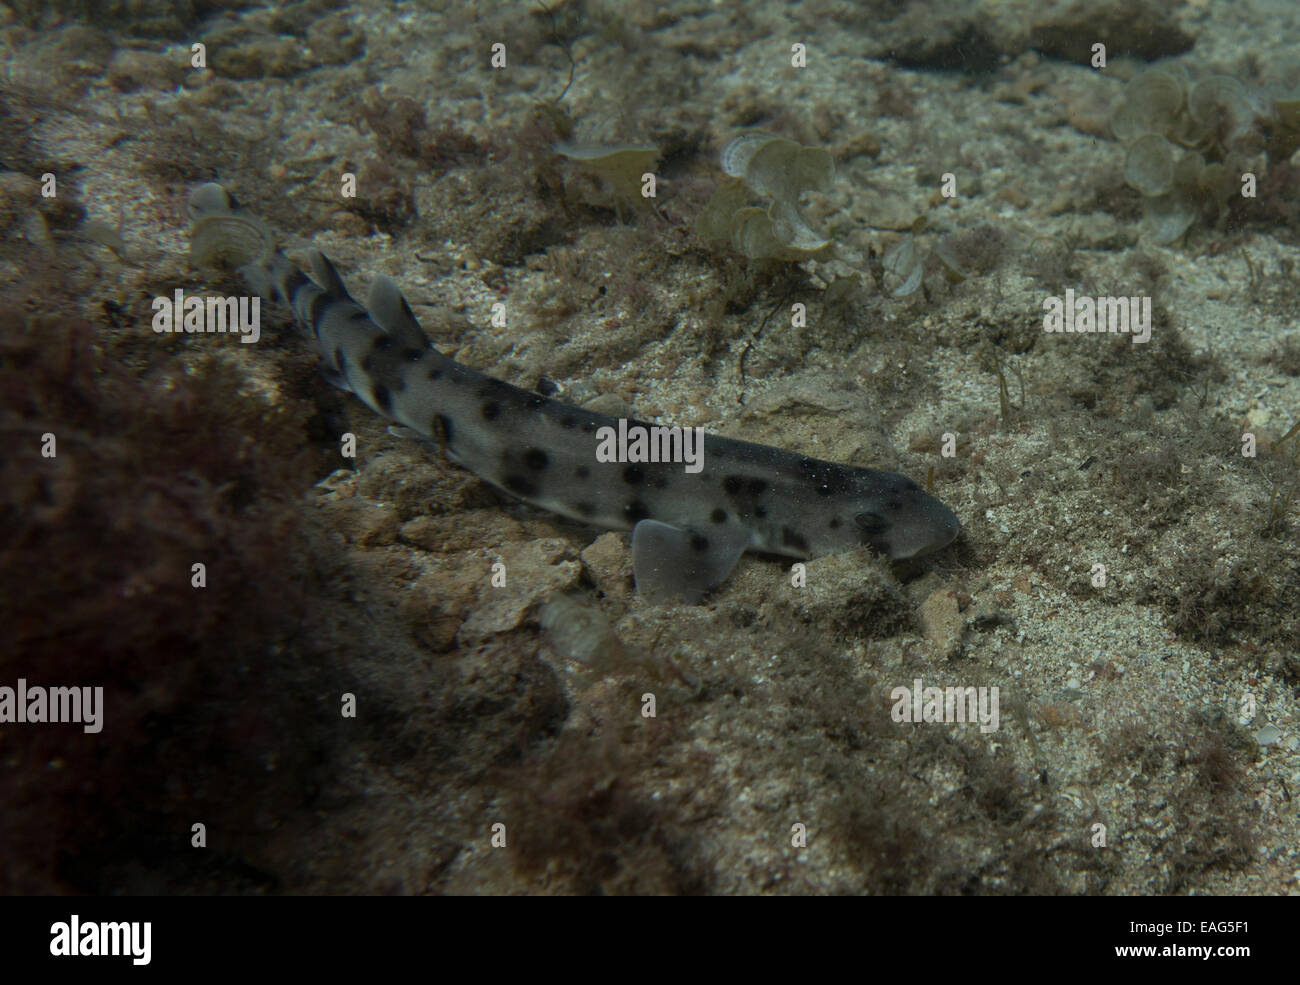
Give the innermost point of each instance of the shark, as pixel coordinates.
(692, 509)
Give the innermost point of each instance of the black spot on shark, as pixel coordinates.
(520, 485)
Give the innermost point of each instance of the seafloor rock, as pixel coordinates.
(1127, 27)
(533, 572)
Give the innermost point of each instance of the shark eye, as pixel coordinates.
(871, 523)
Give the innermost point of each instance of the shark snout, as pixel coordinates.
(916, 527)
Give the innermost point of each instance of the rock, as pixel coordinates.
(948, 44)
(438, 603)
(335, 41)
(131, 70)
(141, 18)
(854, 591)
(611, 404)
(987, 614)
(19, 195)
(362, 521)
(533, 572)
(237, 52)
(940, 34)
(610, 563)
(825, 413)
(447, 534)
(1126, 27)
(1268, 735)
(941, 623)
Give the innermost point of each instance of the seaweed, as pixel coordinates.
(1189, 145)
(1284, 485)
(775, 170)
(621, 168)
(576, 812)
(153, 470)
(1205, 818)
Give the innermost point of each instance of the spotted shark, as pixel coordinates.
(689, 526)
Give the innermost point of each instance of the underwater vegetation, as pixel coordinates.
(1191, 144)
(619, 168)
(98, 541)
(954, 256)
(776, 171)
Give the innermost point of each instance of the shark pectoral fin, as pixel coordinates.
(670, 562)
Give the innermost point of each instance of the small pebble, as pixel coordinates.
(1268, 735)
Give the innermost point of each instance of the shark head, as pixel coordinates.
(902, 520)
